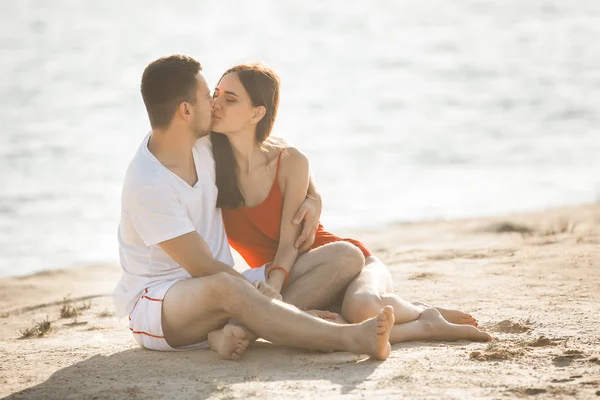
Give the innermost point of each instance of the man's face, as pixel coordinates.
(202, 117)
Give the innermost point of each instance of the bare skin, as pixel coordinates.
(452, 316)
(432, 326)
(320, 275)
(230, 342)
(195, 307)
(414, 321)
(323, 273)
(373, 289)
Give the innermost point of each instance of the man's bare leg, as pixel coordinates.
(373, 288)
(320, 275)
(317, 279)
(194, 307)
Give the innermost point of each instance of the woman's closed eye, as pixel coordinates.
(216, 94)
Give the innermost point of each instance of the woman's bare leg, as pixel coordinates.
(321, 275)
(432, 326)
(372, 287)
(414, 321)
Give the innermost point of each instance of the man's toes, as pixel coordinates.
(243, 344)
(236, 331)
(388, 311)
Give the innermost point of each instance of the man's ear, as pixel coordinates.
(184, 110)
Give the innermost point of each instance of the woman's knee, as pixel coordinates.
(349, 258)
(361, 306)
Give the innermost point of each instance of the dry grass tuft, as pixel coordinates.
(560, 227)
(105, 314)
(38, 329)
(68, 310)
(510, 227)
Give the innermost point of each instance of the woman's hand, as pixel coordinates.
(267, 290)
(326, 315)
(308, 215)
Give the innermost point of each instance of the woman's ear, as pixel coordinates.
(259, 113)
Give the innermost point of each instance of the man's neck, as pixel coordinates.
(173, 149)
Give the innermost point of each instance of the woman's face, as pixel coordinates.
(233, 110)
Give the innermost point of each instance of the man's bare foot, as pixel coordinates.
(378, 345)
(230, 342)
(441, 329)
(452, 316)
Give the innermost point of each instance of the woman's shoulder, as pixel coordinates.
(277, 147)
(293, 161)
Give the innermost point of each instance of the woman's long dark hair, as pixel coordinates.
(262, 85)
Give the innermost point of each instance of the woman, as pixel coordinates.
(262, 182)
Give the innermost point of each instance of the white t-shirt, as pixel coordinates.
(156, 206)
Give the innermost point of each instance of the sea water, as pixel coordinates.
(407, 110)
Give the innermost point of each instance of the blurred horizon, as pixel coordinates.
(407, 111)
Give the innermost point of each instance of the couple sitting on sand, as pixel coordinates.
(189, 193)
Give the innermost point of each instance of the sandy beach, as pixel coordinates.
(532, 280)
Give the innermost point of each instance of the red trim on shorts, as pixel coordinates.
(150, 298)
(146, 333)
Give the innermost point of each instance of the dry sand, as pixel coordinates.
(532, 280)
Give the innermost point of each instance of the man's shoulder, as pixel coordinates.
(203, 147)
(142, 172)
(204, 143)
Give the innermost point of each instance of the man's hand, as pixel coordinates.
(308, 215)
(267, 290)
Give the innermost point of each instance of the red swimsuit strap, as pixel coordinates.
(277, 170)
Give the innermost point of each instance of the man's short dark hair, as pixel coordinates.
(166, 83)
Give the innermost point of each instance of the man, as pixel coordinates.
(178, 286)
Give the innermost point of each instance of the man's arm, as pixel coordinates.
(193, 254)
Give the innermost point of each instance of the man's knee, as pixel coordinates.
(228, 290)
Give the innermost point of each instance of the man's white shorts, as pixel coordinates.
(145, 319)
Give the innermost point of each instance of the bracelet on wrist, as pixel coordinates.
(287, 275)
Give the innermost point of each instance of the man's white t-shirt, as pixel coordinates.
(157, 205)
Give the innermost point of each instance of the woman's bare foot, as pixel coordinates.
(441, 329)
(326, 315)
(452, 316)
(457, 317)
(377, 346)
(230, 342)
